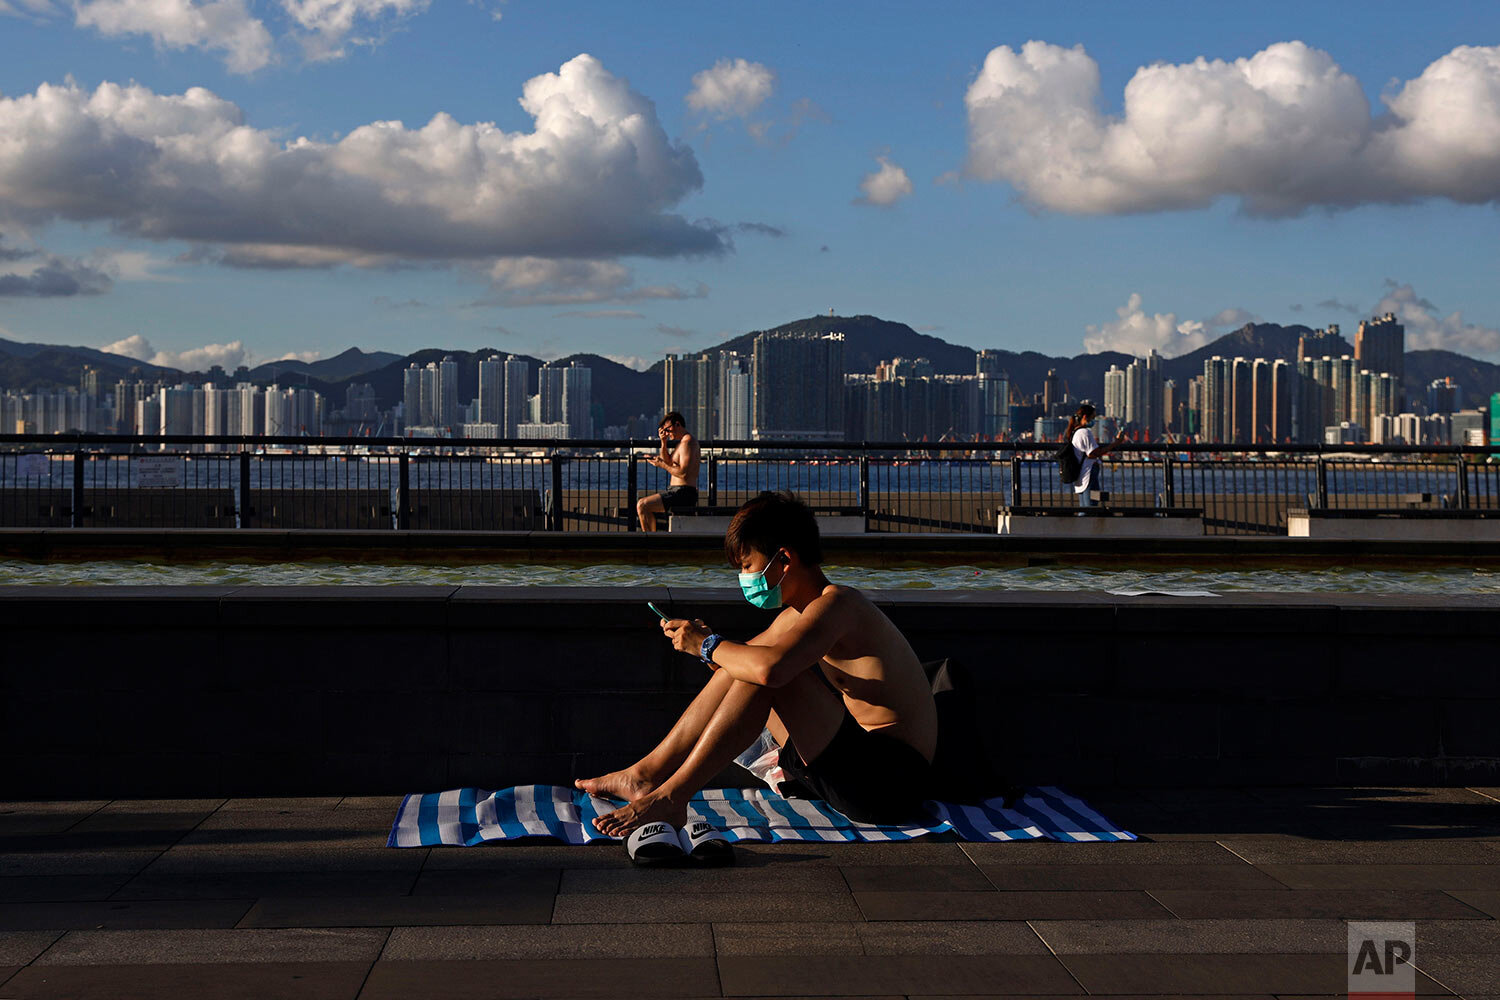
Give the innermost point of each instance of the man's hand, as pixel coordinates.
(686, 636)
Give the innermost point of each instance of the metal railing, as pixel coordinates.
(499, 485)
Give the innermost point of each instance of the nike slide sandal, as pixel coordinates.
(706, 846)
(655, 845)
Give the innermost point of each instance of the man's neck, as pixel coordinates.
(808, 586)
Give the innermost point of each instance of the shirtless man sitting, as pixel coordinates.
(679, 456)
(832, 678)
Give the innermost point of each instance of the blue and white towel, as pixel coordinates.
(468, 816)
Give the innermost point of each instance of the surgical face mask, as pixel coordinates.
(757, 592)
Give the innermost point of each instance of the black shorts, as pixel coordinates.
(679, 497)
(868, 777)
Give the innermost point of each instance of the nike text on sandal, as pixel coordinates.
(655, 845)
(707, 846)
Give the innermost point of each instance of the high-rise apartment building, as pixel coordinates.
(798, 386)
(990, 363)
(1284, 389)
(1444, 396)
(689, 382)
(1380, 346)
(1319, 343)
(1218, 395)
(992, 400)
(1262, 406)
(411, 395)
(1114, 393)
(1143, 396)
(517, 395)
(1051, 391)
(733, 397)
(578, 400)
(448, 414)
(549, 383)
(176, 409)
(1242, 403)
(491, 390)
(1192, 415)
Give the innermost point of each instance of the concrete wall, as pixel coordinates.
(138, 692)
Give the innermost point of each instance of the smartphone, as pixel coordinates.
(659, 612)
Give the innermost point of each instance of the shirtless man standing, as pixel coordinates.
(679, 457)
(833, 679)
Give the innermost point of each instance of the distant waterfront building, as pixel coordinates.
(1463, 423)
(176, 408)
(990, 364)
(1380, 346)
(1444, 396)
(798, 387)
(1344, 432)
(359, 404)
(1114, 392)
(1262, 407)
(1143, 396)
(913, 408)
(1217, 400)
(1495, 418)
(549, 386)
(447, 414)
(491, 391)
(992, 400)
(542, 430)
(578, 400)
(1242, 403)
(411, 395)
(1049, 428)
(148, 415)
(1285, 384)
(735, 391)
(517, 394)
(1051, 391)
(1319, 343)
(688, 388)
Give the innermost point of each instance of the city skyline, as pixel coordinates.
(762, 180)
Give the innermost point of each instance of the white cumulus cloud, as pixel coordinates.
(1134, 331)
(1283, 130)
(595, 178)
(196, 359)
(885, 186)
(222, 25)
(1427, 329)
(731, 88)
(327, 24)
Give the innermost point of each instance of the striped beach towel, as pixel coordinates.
(464, 817)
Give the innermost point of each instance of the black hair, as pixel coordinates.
(1076, 421)
(672, 418)
(773, 521)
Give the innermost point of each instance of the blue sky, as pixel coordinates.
(1228, 191)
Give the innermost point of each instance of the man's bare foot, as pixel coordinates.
(650, 808)
(628, 784)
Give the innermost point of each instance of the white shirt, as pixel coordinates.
(1083, 443)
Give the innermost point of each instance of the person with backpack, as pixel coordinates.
(1086, 454)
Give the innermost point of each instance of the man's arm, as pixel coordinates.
(677, 461)
(808, 639)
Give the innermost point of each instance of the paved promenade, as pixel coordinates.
(1239, 892)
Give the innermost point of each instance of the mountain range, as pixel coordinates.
(623, 392)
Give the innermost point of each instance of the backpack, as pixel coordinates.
(1068, 466)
